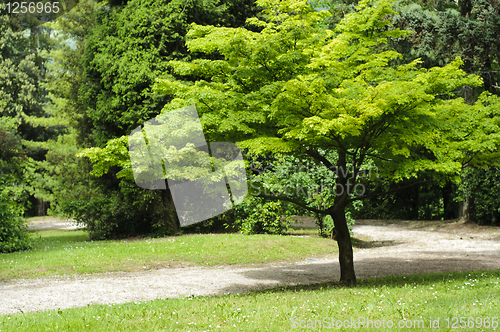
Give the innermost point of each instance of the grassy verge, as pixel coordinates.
(413, 301)
(68, 252)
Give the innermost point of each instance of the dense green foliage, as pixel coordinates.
(130, 46)
(419, 198)
(18, 100)
(14, 168)
(130, 211)
(483, 187)
(256, 216)
(104, 87)
(13, 231)
(24, 44)
(446, 29)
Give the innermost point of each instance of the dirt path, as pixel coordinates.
(44, 223)
(384, 249)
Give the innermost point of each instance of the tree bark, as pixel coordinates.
(42, 207)
(465, 210)
(347, 275)
(319, 222)
(342, 236)
(449, 206)
(415, 195)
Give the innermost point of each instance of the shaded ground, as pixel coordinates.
(383, 248)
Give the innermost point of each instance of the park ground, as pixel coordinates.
(264, 267)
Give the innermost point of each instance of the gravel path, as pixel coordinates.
(45, 223)
(385, 249)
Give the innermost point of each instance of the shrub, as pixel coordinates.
(256, 216)
(13, 230)
(129, 212)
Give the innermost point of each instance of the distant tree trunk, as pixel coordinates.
(449, 211)
(487, 70)
(465, 210)
(342, 236)
(414, 201)
(42, 207)
(319, 222)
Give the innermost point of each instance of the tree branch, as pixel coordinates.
(320, 158)
(287, 199)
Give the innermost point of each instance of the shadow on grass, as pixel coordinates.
(394, 281)
(57, 237)
(388, 271)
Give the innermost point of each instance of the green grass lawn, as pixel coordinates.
(410, 301)
(68, 252)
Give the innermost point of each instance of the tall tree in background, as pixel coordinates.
(127, 48)
(28, 42)
(21, 98)
(446, 29)
(20, 70)
(61, 176)
(130, 47)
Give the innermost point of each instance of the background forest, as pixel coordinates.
(73, 83)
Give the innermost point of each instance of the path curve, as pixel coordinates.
(386, 249)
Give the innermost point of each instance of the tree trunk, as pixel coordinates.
(42, 207)
(319, 222)
(449, 206)
(347, 275)
(465, 210)
(415, 201)
(342, 235)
